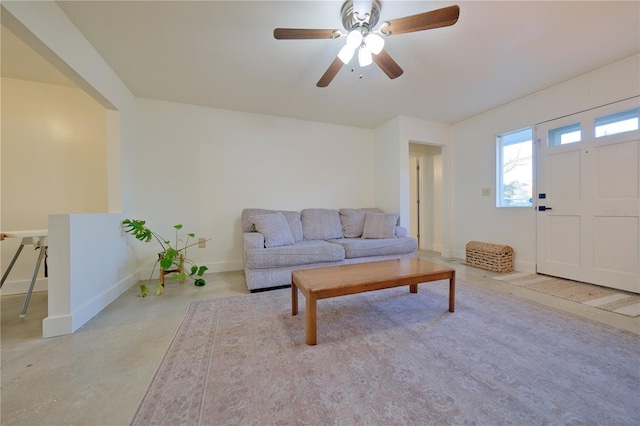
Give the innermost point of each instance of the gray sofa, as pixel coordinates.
(277, 242)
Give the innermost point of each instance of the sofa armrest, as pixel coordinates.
(401, 232)
(253, 240)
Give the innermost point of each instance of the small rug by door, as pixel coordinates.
(394, 358)
(600, 297)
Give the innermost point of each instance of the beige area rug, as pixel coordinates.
(600, 297)
(394, 358)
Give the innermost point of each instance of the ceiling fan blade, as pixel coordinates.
(423, 21)
(331, 72)
(304, 34)
(387, 64)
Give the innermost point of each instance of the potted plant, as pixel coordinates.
(172, 258)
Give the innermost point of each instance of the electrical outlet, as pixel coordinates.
(202, 242)
(486, 192)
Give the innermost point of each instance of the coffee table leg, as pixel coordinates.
(452, 292)
(294, 299)
(413, 288)
(310, 318)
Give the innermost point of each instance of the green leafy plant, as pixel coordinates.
(173, 257)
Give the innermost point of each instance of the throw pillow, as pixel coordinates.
(321, 224)
(380, 225)
(353, 221)
(274, 228)
(293, 219)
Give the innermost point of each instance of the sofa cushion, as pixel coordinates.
(293, 219)
(380, 225)
(274, 228)
(352, 221)
(321, 224)
(358, 247)
(302, 253)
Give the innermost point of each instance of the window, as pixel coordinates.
(515, 169)
(619, 122)
(564, 135)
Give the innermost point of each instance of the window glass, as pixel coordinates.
(515, 169)
(564, 135)
(619, 122)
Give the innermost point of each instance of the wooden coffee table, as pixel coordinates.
(333, 281)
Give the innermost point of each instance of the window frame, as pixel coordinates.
(517, 137)
(614, 118)
(554, 136)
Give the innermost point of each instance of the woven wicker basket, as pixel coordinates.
(493, 257)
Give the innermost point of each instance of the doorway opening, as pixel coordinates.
(54, 152)
(426, 196)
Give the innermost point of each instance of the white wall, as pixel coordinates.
(392, 141)
(389, 169)
(200, 167)
(71, 306)
(54, 161)
(474, 157)
(73, 298)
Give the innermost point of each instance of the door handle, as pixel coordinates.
(543, 208)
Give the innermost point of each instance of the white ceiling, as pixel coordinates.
(223, 54)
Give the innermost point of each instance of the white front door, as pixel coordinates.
(588, 198)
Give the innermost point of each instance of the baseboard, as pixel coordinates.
(56, 326)
(452, 253)
(433, 247)
(68, 324)
(101, 301)
(225, 266)
(21, 287)
(525, 267)
(445, 252)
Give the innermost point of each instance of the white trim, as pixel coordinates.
(224, 266)
(56, 326)
(21, 286)
(91, 308)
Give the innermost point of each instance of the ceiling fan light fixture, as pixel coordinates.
(354, 38)
(346, 53)
(364, 56)
(374, 42)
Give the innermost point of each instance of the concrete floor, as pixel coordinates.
(98, 375)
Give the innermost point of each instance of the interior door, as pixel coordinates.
(588, 202)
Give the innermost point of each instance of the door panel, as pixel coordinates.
(564, 240)
(616, 171)
(563, 178)
(612, 233)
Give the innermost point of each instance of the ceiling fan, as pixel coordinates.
(359, 19)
